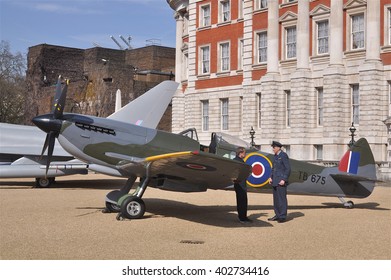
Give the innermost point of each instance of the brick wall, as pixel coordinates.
(95, 75)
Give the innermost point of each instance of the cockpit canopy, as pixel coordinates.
(220, 143)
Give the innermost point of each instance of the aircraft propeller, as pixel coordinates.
(51, 123)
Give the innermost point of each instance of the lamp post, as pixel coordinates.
(352, 130)
(252, 132)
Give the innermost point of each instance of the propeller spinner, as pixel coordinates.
(51, 123)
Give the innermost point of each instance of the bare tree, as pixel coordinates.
(12, 84)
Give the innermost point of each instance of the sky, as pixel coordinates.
(85, 23)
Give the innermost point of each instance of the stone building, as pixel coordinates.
(95, 76)
(299, 71)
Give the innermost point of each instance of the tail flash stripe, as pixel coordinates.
(354, 162)
(350, 162)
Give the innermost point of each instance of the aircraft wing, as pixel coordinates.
(191, 171)
(24, 140)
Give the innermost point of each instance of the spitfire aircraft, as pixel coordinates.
(178, 162)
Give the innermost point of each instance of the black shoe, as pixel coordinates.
(246, 221)
(273, 218)
(281, 220)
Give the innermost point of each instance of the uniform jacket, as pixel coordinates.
(241, 183)
(281, 168)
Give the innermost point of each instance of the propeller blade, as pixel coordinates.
(52, 139)
(58, 94)
(59, 106)
(45, 145)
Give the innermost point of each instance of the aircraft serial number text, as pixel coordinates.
(315, 178)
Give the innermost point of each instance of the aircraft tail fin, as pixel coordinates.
(358, 160)
(147, 109)
(357, 170)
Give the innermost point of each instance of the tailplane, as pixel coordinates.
(147, 109)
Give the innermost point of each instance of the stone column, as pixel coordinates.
(302, 110)
(336, 91)
(336, 32)
(178, 47)
(272, 36)
(336, 110)
(303, 35)
(373, 31)
(247, 43)
(271, 111)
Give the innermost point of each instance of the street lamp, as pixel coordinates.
(252, 132)
(352, 130)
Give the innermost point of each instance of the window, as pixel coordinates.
(224, 57)
(240, 54)
(288, 108)
(185, 69)
(262, 47)
(389, 92)
(389, 26)
(319, 152)
(205, 60)
(356, 104)
(225, 13)
(205, 115)
(241, 112)
(259, 97)
(241, 8)
(320, 106)
(357, 34)
(205, 15)
(323, 36)
(261, 4)
(224, 114)
(290, 42)
(389, 100)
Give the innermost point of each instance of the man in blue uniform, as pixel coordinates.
(279, 181)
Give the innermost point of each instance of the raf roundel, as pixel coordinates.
(261, 170)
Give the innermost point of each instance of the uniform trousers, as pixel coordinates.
(241, 201)
(280, 201)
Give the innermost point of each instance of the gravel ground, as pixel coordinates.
(65, 222)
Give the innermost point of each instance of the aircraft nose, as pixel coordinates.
(47, 123)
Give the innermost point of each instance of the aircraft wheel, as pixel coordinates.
(133, 207)
(43, 182)
(350, 204)
(112, 208)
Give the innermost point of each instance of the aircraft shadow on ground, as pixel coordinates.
(215, 215)
(225, 215)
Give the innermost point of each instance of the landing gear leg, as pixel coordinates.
(132, 206)
(347, 204)
(113, 197)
